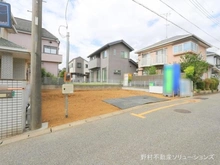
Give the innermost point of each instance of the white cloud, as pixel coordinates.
(105, 21)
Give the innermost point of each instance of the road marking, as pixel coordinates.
(141, 115)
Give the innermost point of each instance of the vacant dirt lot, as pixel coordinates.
(82, 104)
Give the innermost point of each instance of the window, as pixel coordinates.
(146, 60)
(117, 72)
(98, 75)
(93, 57)
(185, 47)
(194, 47)
(114, 52)
(86, 65)
(124, 54)
(104, 54)
(104, 74)
(177, 48)
(50, 49)
(78, 65)
(161, 56)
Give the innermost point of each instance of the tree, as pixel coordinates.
(61, 74)
(150, 70)
(190, 62)
(189, 71)
(44, 73)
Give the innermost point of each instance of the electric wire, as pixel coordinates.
(161, 16)
(189, 21)
(207, 15)
(166, 19)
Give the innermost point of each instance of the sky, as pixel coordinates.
(94, 23)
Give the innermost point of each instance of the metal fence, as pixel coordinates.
(144, 81)
(52, 81)
(60, 81)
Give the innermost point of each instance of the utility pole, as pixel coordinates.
(36, 33)
(67, 50)
(67, 69)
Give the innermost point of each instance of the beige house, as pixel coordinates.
(169, 51)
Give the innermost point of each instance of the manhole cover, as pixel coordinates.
(182, 111)
(201, 98)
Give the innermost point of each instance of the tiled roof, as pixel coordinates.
(9, 44)
(170, 40)
(25, 26)
(110, 44)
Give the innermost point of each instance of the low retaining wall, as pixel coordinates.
(84, 87)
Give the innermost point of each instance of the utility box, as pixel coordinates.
(67, 88)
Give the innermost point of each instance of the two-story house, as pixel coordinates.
(78, 68)
(14, 61)
(50, 58)
(169, 51)
(214, 60)
(111, 62)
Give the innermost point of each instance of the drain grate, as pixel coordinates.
(182, 111)
(201, 98)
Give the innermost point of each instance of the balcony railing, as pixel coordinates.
(157, 60)
(95, 63)
(52, 57)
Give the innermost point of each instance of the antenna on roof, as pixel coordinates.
(166, 15)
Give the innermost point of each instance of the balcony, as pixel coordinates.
(156, 60)
(51, 57)
(95, 63)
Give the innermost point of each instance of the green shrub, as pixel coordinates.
(215, 84)
(212, 84)
(200, 85)
(207, 82)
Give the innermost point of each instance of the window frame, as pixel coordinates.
(104, 54)
(124, 54)
(181, 48)
(50, 48)
(79, 65)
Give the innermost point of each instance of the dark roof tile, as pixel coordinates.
(25, 26)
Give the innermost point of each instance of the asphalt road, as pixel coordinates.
(151, 134)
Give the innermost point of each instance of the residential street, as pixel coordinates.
(150, 134)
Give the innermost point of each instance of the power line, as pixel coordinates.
(161, 16)
(203, 11)
(165, 18)
(189, 20)
(206, 11)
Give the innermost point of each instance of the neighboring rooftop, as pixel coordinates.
(133, 62)
(110, 44)
(78, 57)
(172, 39)
(211, 53)
(9, 44)
(25, 26)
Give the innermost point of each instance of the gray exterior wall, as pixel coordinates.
(79, 70)
(78, 74)
(114, 62)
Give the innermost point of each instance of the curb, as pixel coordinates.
(43, 131)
